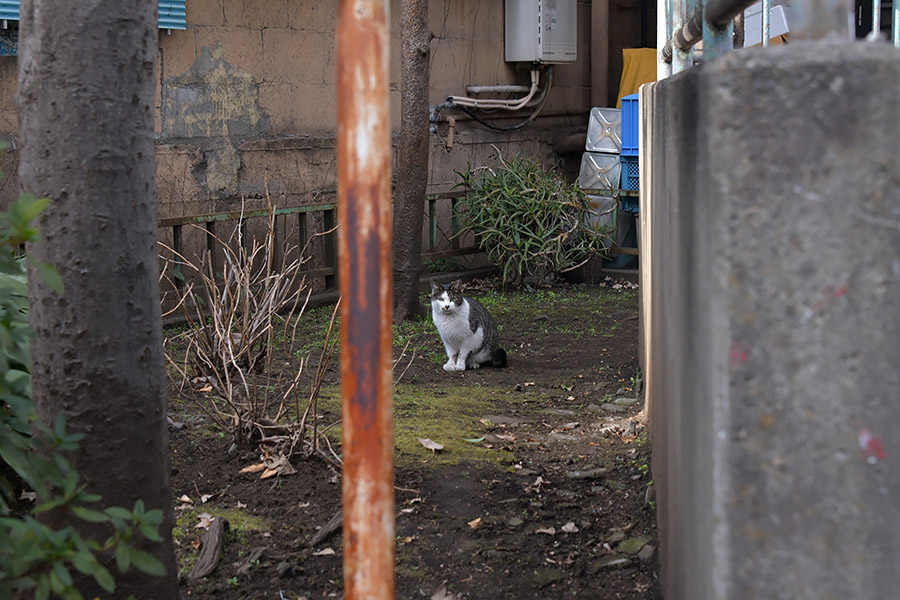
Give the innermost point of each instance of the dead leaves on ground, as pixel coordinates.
(271, 466)
(430, 444)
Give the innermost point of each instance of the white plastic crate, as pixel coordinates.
(599, 171)
(604, 131)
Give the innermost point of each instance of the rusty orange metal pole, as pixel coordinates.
(364, 243)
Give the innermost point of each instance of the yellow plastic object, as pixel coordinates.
(638, 68)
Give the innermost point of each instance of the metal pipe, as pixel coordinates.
(766, 26)
(718, 15)
(364, 205)
(663, 33)
(895, 23)
(876, 18)
(496, 89)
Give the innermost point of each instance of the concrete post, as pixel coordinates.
(771, 262)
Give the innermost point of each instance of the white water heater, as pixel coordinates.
(541, 31)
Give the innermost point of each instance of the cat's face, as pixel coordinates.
(446, 298)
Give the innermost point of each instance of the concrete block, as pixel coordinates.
(177, 52)
(205, 13)
(295, 56)
(256, 15)
(241, 47)
(313, 16)
(771, 236)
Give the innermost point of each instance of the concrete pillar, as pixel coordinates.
(771, 258)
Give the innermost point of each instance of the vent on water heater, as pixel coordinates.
(540, 31)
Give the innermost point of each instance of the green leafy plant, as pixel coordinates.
(528, 220)
(34, 555)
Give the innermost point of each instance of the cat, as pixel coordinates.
(467, 330)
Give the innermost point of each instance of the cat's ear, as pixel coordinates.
(456, 286)
(435, 287)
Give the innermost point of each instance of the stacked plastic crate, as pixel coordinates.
(600, 167)
(630, 151)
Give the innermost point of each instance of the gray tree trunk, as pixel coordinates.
(85, 101)
(412, 160)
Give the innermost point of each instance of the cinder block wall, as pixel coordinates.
(771, 265)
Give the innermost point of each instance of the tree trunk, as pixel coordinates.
(85, 101)
(412, 163)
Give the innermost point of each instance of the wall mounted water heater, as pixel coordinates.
(541, 31)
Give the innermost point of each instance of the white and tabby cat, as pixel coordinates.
(467, 330)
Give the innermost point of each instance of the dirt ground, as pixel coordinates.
(542, 489)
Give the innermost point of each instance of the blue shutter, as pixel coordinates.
(9, 10)
(171, 13)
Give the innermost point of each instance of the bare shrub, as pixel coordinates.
(238, 322)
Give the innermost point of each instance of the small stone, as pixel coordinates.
(613, 561)
(562, 412)
(515, 522)
(617, 536)
(612, 408)
(597, 489)
(562, 437)
(586, 474)
(503, 420)
(625, 401)
(535, 504)
(633, 545)
(526, 472)
(646, 553)
(544, 577)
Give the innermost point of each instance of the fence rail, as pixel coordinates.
(443, 240)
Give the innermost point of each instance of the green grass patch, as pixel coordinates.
(184, 532)
(448, 416)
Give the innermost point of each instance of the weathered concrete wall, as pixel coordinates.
(247, 97)
(771, 232)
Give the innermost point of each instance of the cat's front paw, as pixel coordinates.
(452, 366)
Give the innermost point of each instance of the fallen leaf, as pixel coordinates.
(570, 527)
(253, 468)
(241, 504)
(406, 511)
(570, 398)
(407, 539)
(527, 383)
(30, 496)
(507, 437)
(205, 388)
(475, 523)
(431, 445)
(278, 465)
(547, 530)
(324, 552)
(206, 520)
(442, 594)
(486, 422)
(205, 497)
(185, 498)
(474, 440)
(195, 544)
(303, 505)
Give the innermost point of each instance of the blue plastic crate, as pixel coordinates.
(631, 176)
(630, 116)
(629, 204)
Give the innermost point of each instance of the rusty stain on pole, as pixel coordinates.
(364, 210)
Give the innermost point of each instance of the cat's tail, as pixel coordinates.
(498, 359)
